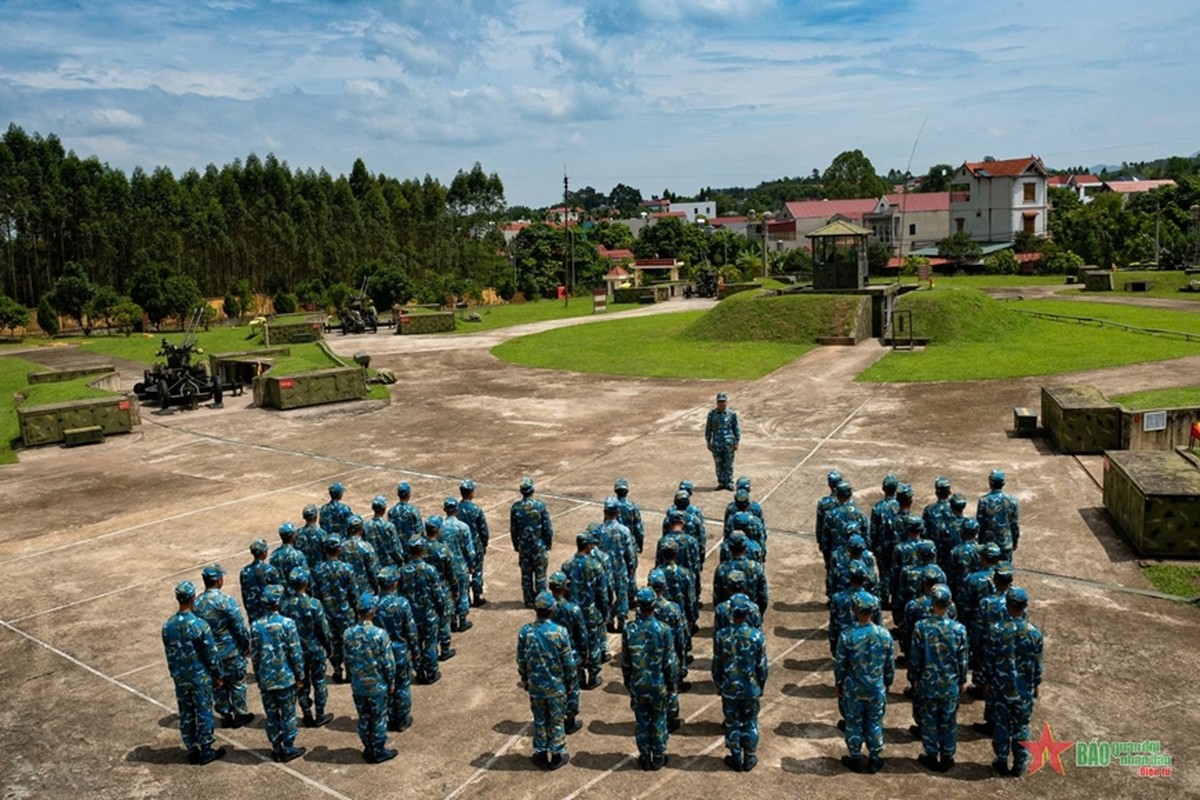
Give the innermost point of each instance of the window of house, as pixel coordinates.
(912, 229)
(959, 224)
(1030, 192)
(1029, 223)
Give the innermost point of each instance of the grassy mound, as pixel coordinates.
(960, 315)
(1183, 397)
(794, 318)
(62, 391)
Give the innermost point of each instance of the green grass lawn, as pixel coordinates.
(983, 281)
(62, 391)
(1164, 283)
(973, 337)
(1182, 397)
(1178, 579)
(653, 347)
(12, 380)
(506, 316)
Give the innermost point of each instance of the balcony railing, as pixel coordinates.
(960, 197)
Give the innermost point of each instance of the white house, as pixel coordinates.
(993, 200)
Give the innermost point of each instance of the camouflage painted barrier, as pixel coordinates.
(435, 322)
(1097, 280)
(240, 367)
(727, 289)
(293, 331)
(59, 375)
(1161, 429)
(1079, 419)
(49, 423)
(1154, 497)
(314, 387)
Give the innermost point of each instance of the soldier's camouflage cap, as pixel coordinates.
(958, 500)
(416, 545)
(687, 486)
(557, 579)
(299, 577)
(1003, 572)
(971, 525)
(844, 489)
(668, 546)
(287, 529)
(433, 523)
(379, 501)
(740, 605)
(722, 397)
(736, 578)
(942, 483)
(402, 488)
(833, 478)
(544, 601)
(213, 572)
(682, 494)
(991, 550)
(185, 590)
(388, 575)
(612, 504)
(272, 595)
(449, 503)
(914, 523)
(354, 523)
(853, 528)
(467, 486)
(996, 476)
(864, 601)
(583, 539)
(526, 485)
(1017, 597)
(657, 578)
(741, 496)
(926, 548)
(737, 540)
(259, 546)
(366, 603)
(857, 542)
(310, 511)
(904, 491)
(620, 483)
(646, 597)
(336, 490)
(931, 575)
(333, 542)
(857, 570)
(743, 482)
(676, 514)
(741, 520)
(940, 594)
(891, 482)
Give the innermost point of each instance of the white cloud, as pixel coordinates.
(116, 119)
(361, 86)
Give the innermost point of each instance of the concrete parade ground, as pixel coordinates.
(95, 538)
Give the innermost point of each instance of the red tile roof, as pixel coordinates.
(657, 214)
(616, 272)
(653, 263)
(824, 209)
(1008, 168)
(717, 222)
(616, 254)
(1057, 180)
(1136, 187)
(921, 201)
(1082, 180)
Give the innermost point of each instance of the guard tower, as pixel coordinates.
(839, 257)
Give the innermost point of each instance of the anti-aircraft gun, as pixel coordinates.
(359, 315)
(179, 382)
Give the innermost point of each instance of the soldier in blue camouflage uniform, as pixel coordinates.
(257, 576)
(824, 506)
(334, 587)
(977, 586)
(420, 583)
(902, 522)
(756, 576)
(670, 614)
(964, 559)
(841, 605)
(589, 588)
(743, 484)
(195, 666)
(750, 525)
(920, 607)
(383, 536)
(905, 559)
(617, 541)
(287, 556)
(361, 556)
(1012, 661)
(722, 435)
(568, 614)
(723, 613)
(937, 511)
(837, 578)
(229, 630)
(438, 555)
(739, 670)
(279, 668)
(864, 669)
(937, 668)
(679, 529)
(741, 522)
(949, 533)
(840, 519)
(695, 515)
(999, 517)
(404, 515)
(316, 640)
(547, 666)
(991, 609)
(882, 535)
(310, 539)
(372, 679)
(630, 517)
(476, 520)
(335, 515)
(680, 584)
(394, 614)
(461, 542)
(532, 537)
(648, 667)
(601, 558)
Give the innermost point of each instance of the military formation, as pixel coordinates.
(374, 603)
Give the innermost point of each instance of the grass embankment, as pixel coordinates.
(61, 391)
(1163, 283)
(505, 316)
(743, 337)
(12, 380)
(1182, 397)
(973, 337)
(1177, 579)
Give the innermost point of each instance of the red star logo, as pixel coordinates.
(1045, 749)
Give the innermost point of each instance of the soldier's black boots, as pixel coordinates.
(401, 725)
(209, 755)
(571, 725)
(447, 654)
(557, 760)
(734, 762)
(983, 727)
(644, 762)
(874, 764)
(749, 762)
(339, 676)
(854, 764)
(673, 724)
(236, 720)
(658, 761)
(310, 721)
(592, 682)
(287, 754)
(946, 763)
(929, 762)
(374, 755)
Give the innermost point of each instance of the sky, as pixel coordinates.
(655, 94)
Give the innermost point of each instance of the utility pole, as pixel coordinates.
(567, 230)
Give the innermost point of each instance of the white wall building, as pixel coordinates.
(993, 200)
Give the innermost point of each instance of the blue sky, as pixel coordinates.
(656, 94)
